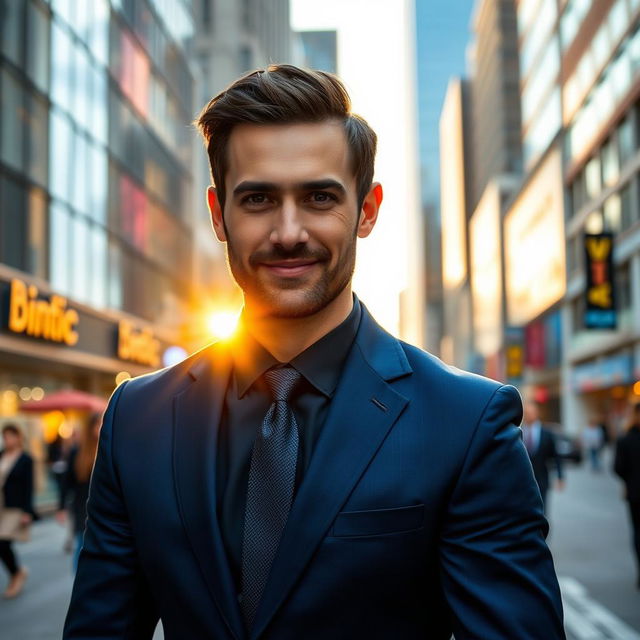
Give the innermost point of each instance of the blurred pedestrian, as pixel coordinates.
(541, 447)
(593, 442)
(75, 483)
(627, 466)
(16, 504)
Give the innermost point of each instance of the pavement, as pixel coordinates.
(590, 540)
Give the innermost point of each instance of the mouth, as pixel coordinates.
(290, 268)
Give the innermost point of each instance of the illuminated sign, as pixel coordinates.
(514, 354)
(138, 345)
(41, 318)
(535, 270)
(600, 308)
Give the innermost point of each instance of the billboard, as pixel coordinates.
(535, 268)
(600, 309)
(486, 272)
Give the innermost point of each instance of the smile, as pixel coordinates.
(290, 268)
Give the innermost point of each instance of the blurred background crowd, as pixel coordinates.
(508, 245)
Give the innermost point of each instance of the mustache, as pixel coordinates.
(299, 252)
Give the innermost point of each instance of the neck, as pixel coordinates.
(285, 338)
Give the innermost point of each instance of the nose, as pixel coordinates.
(289, 228)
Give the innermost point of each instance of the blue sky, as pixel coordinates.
(443, 32)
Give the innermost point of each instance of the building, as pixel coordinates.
(319, 49)
(95, 181)
(600, 87)
(232, 37)
(455, 194)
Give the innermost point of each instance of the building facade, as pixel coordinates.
(95, 181)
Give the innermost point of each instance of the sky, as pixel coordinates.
(443, 31)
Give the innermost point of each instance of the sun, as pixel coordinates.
(222, 324)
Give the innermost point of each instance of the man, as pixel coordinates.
(315, 478)
(627, 466)
(540, 443)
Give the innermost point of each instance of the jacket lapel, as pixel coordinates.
(197, 412)
(363, 410)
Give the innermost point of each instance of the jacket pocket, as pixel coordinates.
(378, 521)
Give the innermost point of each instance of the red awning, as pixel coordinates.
(66, 399)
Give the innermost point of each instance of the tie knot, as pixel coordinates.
(281, 382)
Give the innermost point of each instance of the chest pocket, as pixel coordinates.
(377, 522)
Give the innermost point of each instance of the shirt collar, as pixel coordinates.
(320, 364)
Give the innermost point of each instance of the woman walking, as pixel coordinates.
(16, 504)
(75, 483)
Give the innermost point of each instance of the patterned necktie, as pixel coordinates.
(270, 490)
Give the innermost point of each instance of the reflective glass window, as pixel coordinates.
(634, 50)
(12, 25)
(37, 240)
(80, 17)
(61, 67)
(12, 132)
(578, 195)
(98, 288)
(80, 276)
(618, 19)
(623, 287)
(133, 211)
(99, 104)
(37, 115)
(626, 204)
(612, 213)
(60, 155)
(601, 46)
(592, 177)
(98, 183)
(541, 78)
(610, 163)
(64, 8)
(38, 49)
(116, 293)
(13, 228)
(60, 250)
(543, 129)
(538, 34)
(98, 38)
(83, 87)
(81, 174)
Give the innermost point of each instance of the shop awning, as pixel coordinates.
(66, 399)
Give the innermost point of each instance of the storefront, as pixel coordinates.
(48, 343)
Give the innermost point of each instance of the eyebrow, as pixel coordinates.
(270, 187)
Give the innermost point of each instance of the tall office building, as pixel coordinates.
(495, 94)
(600, 85)
(231, 38)
(456, 179)
(95, 184)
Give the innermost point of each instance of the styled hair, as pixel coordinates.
(285, 94)
(12, 428)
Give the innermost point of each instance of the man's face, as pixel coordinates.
(531, 413)
(291, 216)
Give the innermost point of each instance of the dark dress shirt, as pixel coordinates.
(247, 400)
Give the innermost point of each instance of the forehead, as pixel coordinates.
(288, 153)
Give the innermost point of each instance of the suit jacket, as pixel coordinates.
(18, 487)
(627, 462)
(406, 524)
(544, 454)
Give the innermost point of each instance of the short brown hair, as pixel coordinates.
(285, 94)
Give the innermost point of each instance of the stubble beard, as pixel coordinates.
(266, 300)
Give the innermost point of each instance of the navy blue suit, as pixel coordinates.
(418, 516)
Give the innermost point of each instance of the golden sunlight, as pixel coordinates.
(223, 324)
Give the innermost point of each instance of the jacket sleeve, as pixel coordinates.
(497, 572)
(111, 597)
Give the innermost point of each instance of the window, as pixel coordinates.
(12, 25)
(37, 114)
(626, 145)
(578, 194)
(610, 163)
(13, 224)
(98, 183)
(61, 155)
(12, 115)
(116, 294)
(60, 250)
(623, 287)
(613, 214)
(61, 67)
(37, 239)
(81, 258)
(578, 308)
(38, 50)
(81, 173)
(626, 212)
(592, 177)
(98, 291)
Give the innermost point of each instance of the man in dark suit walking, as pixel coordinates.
(314, 477)
(627, 466)
(540, 443)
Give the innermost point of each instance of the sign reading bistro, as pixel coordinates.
(46, 319)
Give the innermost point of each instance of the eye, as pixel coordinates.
(255, 200)
(322, 198)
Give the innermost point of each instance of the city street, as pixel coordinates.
(590, 540)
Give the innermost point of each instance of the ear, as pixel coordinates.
(216, 214)
(369, 211)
